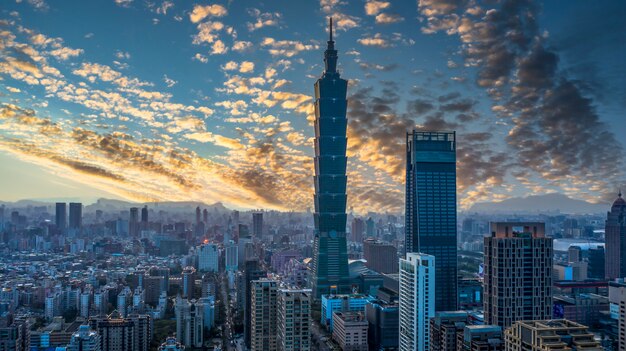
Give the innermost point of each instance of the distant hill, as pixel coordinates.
(121, 205)
(554, 202)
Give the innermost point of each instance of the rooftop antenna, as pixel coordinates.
(331, 29)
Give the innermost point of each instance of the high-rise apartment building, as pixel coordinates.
(263, 315)
(380, 257)
(117, 333)
(189, 282)
(517, 273)
(330, 257)
(189, 322)
(208, 258)
(546, 335)
(417, 300)
(60, 216)
(431, 226)
(615, 238)
(293, 320)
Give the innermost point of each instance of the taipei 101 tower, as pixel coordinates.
(330, 257)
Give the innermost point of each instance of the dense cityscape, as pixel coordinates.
(116, 275)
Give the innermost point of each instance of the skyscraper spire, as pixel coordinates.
(330, 55)
(331, 29)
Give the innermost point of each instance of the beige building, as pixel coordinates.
(350, 330)
(263, 315)
(293, 320)
(518, 273)
(546, 335)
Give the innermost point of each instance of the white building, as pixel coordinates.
(189, 322)
(208, 258)
(417, 301)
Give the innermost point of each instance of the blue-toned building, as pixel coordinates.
(330, 257)
(431, 208)
(341, 303)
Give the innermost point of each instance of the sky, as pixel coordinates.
(213, 100)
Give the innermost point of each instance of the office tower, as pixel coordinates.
(263, 314)
(76, 216)
(596, 261)
(189, 281)
(480, 338)
(615, 238)
(132, 333)
(517, 273)
(417, 300)
(85, 340)
(431, 226)
(617, 300)
(205, 216)
(380, 257)
(292, 320)
(257, 225)
(252, 271)
(85, 302)
(350, 331)
(189, 322)
(144, 214)
(574, 254)
(555, 334)
(383, 324)
(208, 258)
(61, 216)
(133, 222)
(370, 228)
(357, 230)
(330, 257)
(198, 214)
(444, 328)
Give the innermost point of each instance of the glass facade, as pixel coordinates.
(330, 261)
(431, 208)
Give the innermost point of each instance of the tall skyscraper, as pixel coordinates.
(61, 216)
(615, 237)
(263, 315)
(431, 207)
(144, 214)
(518, 273)
(417, 300)
(257, 225)
(76, 215)
(330, 257)
(133, 222)
(292, 320)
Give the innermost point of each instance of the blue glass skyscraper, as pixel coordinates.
(431, 208)
(330, 258)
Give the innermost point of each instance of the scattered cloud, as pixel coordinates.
(201, 12)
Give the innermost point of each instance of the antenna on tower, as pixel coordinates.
(331, 29)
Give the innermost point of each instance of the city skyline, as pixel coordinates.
(213, 100)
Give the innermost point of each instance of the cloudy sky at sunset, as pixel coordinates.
(212, 101)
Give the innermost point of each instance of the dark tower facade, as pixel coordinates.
(431, 208)
(615, 240)
(330, 258)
